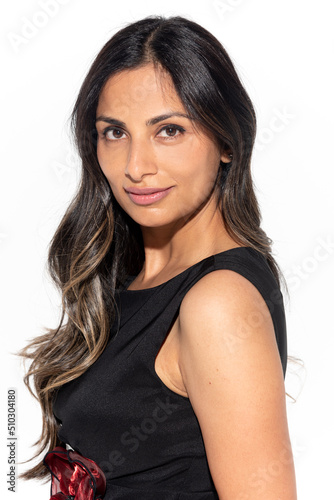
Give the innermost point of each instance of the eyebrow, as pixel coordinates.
(150, 122)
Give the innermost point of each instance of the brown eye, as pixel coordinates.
(113, 133)
(172, 131)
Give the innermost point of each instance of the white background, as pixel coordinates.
(283, 52)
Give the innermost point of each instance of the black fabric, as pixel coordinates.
(145, 437)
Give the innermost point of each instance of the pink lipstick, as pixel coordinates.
(146, 196)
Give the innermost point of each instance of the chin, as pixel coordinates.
(152, 221)
(154, 216)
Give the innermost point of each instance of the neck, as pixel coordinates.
(173, 248)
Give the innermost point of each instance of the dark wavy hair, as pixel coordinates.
(97, 245)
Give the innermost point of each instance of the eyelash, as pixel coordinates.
(180, 129)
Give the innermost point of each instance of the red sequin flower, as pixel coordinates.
(74, 476)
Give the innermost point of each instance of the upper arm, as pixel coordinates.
(232, 371)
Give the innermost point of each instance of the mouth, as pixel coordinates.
(146, 196)
(144, 190)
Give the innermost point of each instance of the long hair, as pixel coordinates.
(97, 245)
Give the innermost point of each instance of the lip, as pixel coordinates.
(144, 190)
(146, 196)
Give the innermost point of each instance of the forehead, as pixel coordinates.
(136, 89)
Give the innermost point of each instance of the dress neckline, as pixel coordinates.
(142, 290)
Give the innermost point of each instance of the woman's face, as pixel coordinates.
(144, 142)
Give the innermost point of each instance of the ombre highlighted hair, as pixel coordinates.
(97, 245)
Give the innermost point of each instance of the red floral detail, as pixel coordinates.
(74, 476)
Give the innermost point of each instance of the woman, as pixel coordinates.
(168, 372)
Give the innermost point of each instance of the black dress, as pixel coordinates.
(145, 437)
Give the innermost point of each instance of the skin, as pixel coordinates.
(221, 350)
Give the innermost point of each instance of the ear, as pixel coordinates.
(226, 154)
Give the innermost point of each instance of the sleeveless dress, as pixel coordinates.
(144, 436)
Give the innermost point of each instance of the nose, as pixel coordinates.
(141, 160)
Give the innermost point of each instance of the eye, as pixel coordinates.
(172, 131)
(113, 133)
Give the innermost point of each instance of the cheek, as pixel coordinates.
(107, 167)
(202, 169)
(202, 187)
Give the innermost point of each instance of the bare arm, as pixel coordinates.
(232, 371)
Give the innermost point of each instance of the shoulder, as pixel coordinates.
(221, 314)
(223, 295)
